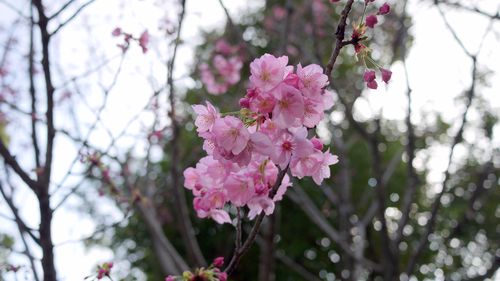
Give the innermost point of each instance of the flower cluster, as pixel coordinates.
(369, 77)
(363, 52)
(245, 153)
(372, 20)
(142, 40)
(224, 70)
(212, 273)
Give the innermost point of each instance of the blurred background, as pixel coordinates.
(96, 127)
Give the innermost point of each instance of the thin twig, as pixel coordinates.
(68, 20)
(340, 34)
(255, 229)
(188, 235)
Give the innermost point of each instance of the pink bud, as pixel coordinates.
(252, 92)
(384, 10)
(371, 21)
(116, 32)
(219, 261)
(372, 85)
(369, 75)
(245, 103)
(170, 278)
(222, 276)
(317, 143)
(110, 265)
(386, 75)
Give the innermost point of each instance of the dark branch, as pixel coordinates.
(68, 20)
(12, 162)
(188, 235)
(339, 34)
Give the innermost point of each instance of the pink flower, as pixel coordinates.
(259, 204)
(334, 1)
(369, 75)
(313, 112)
(208, 79)
(190, 178)
(244, 103)
(215, 198)
(270, 128)
(261, 143)
(306, 164)
(371, 21)
(268, 71)
(230, 134)
(323, 171)
(240, 188)
(218, 262)
(312, 79)
(288, 145)
(327, 100)
(263, 103)
(219, 216)
(170, 278)
(384, 9)
(229, 70)
(289, 108)
(144, 41)
(206, 116)
(285, 183)
(386, 75)
(284, 148)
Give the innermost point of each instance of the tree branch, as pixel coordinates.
(12, 162)
(31, 74)
(437, 201)
(186, 228)
(68, 20)
(339, 34)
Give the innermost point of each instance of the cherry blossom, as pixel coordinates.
(386, 75)
(384, 9)
(224, 69)
(268, 71)
(371, 21)
(246, 149)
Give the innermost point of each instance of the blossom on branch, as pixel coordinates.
(246, 149)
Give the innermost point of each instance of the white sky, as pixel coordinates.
(438, 72)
